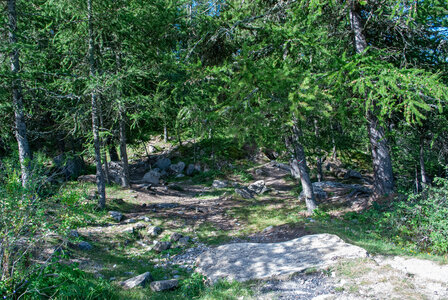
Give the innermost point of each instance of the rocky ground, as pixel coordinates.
(150, 215)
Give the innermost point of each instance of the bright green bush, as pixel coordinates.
(419, 222)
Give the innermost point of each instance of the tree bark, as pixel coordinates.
(424, 178)
(382, 162)
(17, 98)
(165, 133)
(305, 180)
(104, 144)
(125, 175)
(95, 128)
(125, 180)
(320, 174)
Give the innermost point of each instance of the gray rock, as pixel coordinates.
(116, 215)
(247, 261)
(85, 246)
(154, 231)
(164, 285)
(144, 219)
(163, 163)
(152, 177)
(175, 237)
(258, 187)
(190, 170)
(140, 280)
(351, 174)
(183, 241)
(259, 172)
(219, 184)
(178, 168)
(180, 175)
(72, 166)
(245, 193)
(161, 246)
(73, 233)
(319, 193)
(130, 221)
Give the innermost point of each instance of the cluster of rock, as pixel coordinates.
(156, 286)
(319, 192)
(163, 167)
(257, 188)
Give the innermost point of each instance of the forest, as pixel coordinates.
(142, 142)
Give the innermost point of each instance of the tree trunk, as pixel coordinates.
(382, 162)
(305, 180)
(295, 171)
(165, 133)
(320, 174)
(125, 180)
(96, 136)
(104, 144)
(17, 98)
(424, 179)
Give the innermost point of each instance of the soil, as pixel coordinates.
(185, 206)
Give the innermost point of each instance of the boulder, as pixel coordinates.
(115, 171)
(70, 166)
(175, 237)
(116, 215)
(245, 193)
(161, 246)
(258, 187)
(351, 174)
(178, 168)
(164, 285)
(219, 184)
(163, 163)
(248, 261)
(140, 280)
(152, 177)
(85, 246)
(154, 231)
(190, 170)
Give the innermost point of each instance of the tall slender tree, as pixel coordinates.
(17, 97)
(101, 186)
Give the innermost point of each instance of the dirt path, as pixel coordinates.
(205, 213)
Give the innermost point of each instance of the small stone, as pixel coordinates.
(117, 216)
(245, 193)
(144, 218)
(85, 246)
(258, 187)
(219, 184)
(154, 231)
(74, 233)
(131, 220)
(161, 246)
(112, 279)
(163, 285)
(140, 280)
(259, 172)
(184, 240)
(175, 237)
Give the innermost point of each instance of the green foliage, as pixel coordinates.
(418, 223)
(66, 281)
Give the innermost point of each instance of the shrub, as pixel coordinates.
(419, 222)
